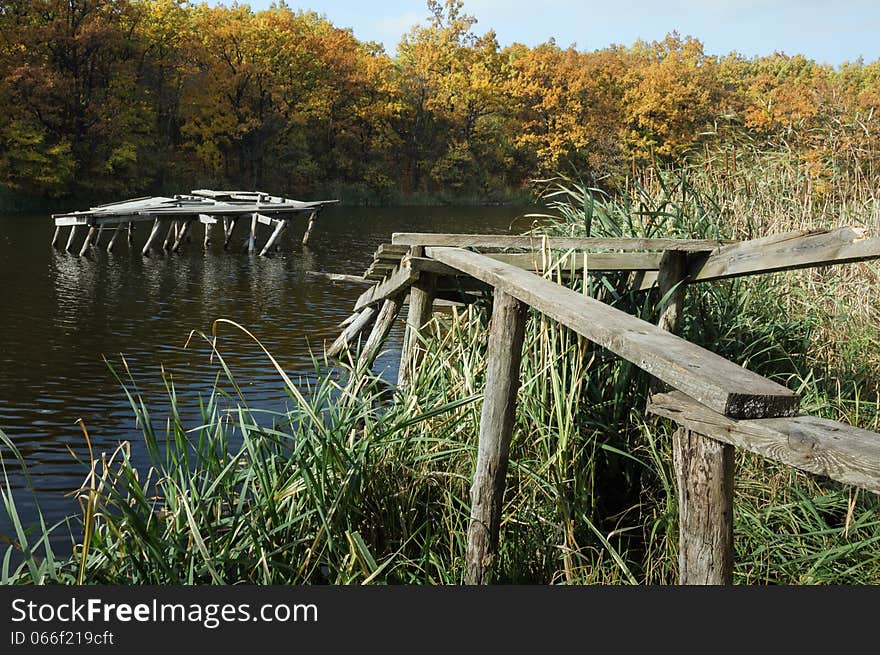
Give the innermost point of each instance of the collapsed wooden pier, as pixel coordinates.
(175, 216)
(716, 404)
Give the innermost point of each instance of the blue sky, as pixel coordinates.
(829, 32)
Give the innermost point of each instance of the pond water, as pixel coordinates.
(62, 315)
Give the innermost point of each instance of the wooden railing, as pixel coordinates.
(717, 405)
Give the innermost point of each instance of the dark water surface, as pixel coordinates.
(60, 315)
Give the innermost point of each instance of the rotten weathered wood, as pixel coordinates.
(704, 471)
(88, 241)
(711, 379)
(279, 228)
(153, 233)
(169, 235)
(181, 234)
(421, 302)
(578, 261)
(385, 319)
(836, 450)
(781, 252)
(309, 228)
(70, 237)
(229, 226)
(340, 277)
(560, 243)
(113, 238)
(506, 332)
(398, 281)
(364, 318)
(252, 239)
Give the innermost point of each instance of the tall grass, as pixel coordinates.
(354, 484)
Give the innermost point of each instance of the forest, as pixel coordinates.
(103, 99)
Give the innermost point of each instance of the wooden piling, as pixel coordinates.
(309, 228)
(704, 471)
(384, 321)
(506, 333)
(252, 240)
(228, 229)
(169, 235)
(153, 233)
(130, 233)
(55, 236)
(181, 234)
(113, 238)
(279, 228)
(70, 238)
(421, 302)
(88, 240)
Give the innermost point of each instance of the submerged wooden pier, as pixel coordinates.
(174, 216)
(716, 404)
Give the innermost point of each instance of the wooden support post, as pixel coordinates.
(384, 321)
(421, 302)
(169, 235)
(350, 333)
(70, 238)
(130, 233)
(55, 236)
(704, 470)
(309, 228)
(88, 240)
(181, 233)
(672, 281)
(279, 228)
(252, 240)
(153, 233)
(97, 240)
(228, 229)
(506, 333)
(207, 241)
(113, 238)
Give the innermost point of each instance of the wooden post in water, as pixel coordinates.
(153, 233)
(228, 229)
(352, 330)
(70, 238)
(703, 466)
(130, 233)
(88, 240)
(506, 332)
(181, 233)
(309, 228)
(421, 303)
(384, 321)
(55, 236)
(113, 238)
(252, 240)
(704, 470)
(279, 228)
(169, 235)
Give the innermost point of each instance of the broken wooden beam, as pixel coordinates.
(722, 385)
(835, 450)
(340, 277)
(364, 318)
(398, 281)
(782, 252)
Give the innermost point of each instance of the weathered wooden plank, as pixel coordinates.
(704, 470)
(364, 318)
(398, 281)
(836, 450)
(207, 220)
(560, 243)
(506, 332)
(385, 319)
(781, 252)
(340, 277)
(601, 261)
(711, 379)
